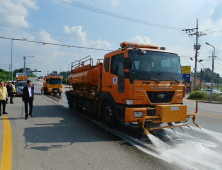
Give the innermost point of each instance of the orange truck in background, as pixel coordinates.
(52, 84)
(138, 83)
(22, 78)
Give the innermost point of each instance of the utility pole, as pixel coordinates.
(200, 78)
(192, 32)
(24, 69)
(212, 75)
(9, 71)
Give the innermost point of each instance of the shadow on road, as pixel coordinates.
(61, 127)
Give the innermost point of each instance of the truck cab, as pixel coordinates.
(52, 84)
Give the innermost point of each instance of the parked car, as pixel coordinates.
(20, 86)
(214, 91)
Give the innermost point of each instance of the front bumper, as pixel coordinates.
(160, 114)
(55, 90)
(164, 114)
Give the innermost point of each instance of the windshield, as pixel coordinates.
(155, 65)
(22, 83)
(55, 81)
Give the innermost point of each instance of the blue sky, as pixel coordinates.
(85, 28)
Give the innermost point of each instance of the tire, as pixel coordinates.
(45, 91)
(60, 94)
(70, 103)
(76, 107)
(109, 115)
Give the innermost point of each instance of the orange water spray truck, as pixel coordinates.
(52, 84)
(22, 78)
(138, 83)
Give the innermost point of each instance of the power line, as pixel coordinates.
(35, 30)
(214, 32)
(107, 13)
(212, 28)
(45, 43)
(202, 65)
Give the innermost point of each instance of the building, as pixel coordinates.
(198, 82)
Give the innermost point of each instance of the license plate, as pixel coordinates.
(55, 90)
(174, 108)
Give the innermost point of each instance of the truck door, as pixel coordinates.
(113, 78)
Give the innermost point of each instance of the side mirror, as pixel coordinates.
(127, 63)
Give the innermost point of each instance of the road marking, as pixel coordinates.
(206, 114)
(6, 163)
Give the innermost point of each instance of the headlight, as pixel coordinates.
(50, 88)
(138, 114)
(60, 89)
(129, 101)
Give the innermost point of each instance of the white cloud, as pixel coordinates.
(13, 12)
(82, 38)
(45, 37)
(139, 39)
(114, 2)
(29, 3)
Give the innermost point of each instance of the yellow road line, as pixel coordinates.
(6, 163)
(206, 114)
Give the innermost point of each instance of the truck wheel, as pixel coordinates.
(76, 106)
(60, 94)
(70, 103)
(109, 115)
(45, 91)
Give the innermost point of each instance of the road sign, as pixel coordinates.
(186, 77)
(186, 69)
(28, 73)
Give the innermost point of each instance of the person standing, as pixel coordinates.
(3, 96)
(13, 89)
(6, 85)
(10, 92)
(27, 98)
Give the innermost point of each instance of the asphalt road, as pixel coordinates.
(60, 138)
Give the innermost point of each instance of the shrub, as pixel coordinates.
(198, 95)
(197, 88)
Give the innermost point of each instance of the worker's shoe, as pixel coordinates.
(4, 113)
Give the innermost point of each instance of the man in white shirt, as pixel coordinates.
(27, 98)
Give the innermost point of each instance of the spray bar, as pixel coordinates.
(147, 132)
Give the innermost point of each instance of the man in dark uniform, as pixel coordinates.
(27, 98)
(10, 92)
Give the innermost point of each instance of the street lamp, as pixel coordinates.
(25, 63)
(24, 39)
(212, 76)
